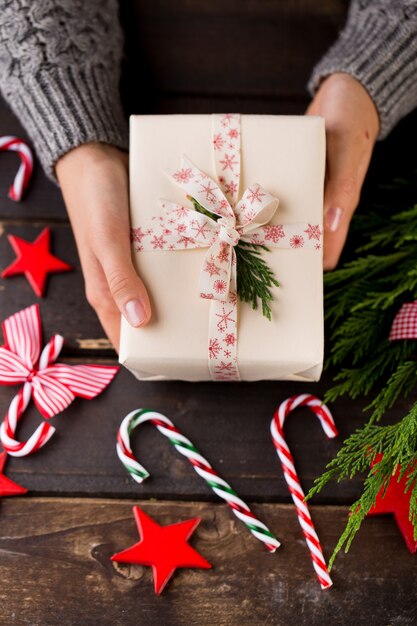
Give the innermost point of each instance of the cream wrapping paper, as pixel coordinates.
(286, 155)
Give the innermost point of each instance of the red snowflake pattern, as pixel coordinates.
(183, 175)
(180, 212)
(181, 228)
(255, 194)
(136, 235)
(231, 188)
(200, 229)
(230, 339)
(229, 162)
(313, 231)
(233, 297)
(218, 141)
(227, 118)
(158, 243)
(256, 238)
(224, 204)
(226, 371)
(214, 348)
(186, 241)
(274, 233)
(211, 268)
(219, 286)
(224, 319)
(249, 215)
(227, 354)
(223, 255)
(206, 296)
(233, 133)
(209, 191)
(297, 241)
(317, 246)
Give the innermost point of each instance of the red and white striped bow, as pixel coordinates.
(53, 385)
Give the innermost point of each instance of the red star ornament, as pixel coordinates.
(164, 548)
(34, 260)
(397, 503)
(8, 487)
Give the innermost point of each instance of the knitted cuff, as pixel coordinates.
(64, 107)
(378, 47)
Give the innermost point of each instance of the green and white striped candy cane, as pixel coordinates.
(200, 464)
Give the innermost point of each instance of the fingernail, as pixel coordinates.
(333, 217)
(135, 313)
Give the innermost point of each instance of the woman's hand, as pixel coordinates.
(94, 183)
(352, 127)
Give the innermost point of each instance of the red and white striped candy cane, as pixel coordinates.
(21, 180)
(287, 462)
(9, 425)
(18, 405)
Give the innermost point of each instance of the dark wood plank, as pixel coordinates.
(224, 48)
(55, 568)
(229, 424)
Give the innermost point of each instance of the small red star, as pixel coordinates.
(8, 487)
(397, 503)
(164, 548)
(34, 261)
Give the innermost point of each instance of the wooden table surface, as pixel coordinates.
(56, 542)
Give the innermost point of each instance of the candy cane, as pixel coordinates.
(8, 428)
(18, 187)
(287, 462)
(200, 464)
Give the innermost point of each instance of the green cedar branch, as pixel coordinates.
(361, 301)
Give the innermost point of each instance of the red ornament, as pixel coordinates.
(164, 548)
(35, 261)
(396, 502)
(8, 487)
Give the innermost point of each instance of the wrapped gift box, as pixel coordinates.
(286, 156)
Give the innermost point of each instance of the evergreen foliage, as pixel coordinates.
(361, 301)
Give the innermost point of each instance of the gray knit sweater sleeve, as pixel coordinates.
(60, 70)
(378, 46)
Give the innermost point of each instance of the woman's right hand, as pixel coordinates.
(94, 182)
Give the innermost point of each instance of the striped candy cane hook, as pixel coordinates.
(21, 180)
(18, 405)
(8, 427)
(199, 463)
(287, 462)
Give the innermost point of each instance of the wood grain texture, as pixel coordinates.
(210, 47)
(228, 422)
(55, 568)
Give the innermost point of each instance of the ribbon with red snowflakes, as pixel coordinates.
(245, 220)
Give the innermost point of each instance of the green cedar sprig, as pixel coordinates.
(255, 278)
(361, 301)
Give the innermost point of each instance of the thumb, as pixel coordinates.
(344, 178)
(126, 287)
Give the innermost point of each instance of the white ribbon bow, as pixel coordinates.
(193, 229)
